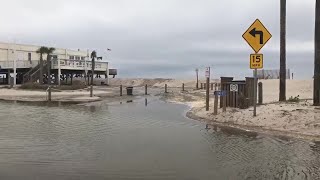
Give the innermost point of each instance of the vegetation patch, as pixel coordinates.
(295, 99)
(36, 86)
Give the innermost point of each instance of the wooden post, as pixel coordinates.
(215, 86)
(146, 90)
(49, 93)
(260, 93)
(201, 87)
(224, 103)
(211, 86)
(197, 85)
(207, 94)
(120, 90)
(182, 86)
(215, 103)
(165, 88)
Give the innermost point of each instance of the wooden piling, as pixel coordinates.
(120, 90)
(49, 93)
(224, 103)
(207, 94)
(215, 112)
(165, 88)
(260, 88)
(146, 90)
(182, 86)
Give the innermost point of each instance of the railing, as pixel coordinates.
(79, 65)
(19, 64)
(64, 64)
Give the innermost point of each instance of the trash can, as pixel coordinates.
(129, 91)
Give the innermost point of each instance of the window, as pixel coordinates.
(54, 57)
(71, 57)
(83, 58)
(29, 56)
(77, 57)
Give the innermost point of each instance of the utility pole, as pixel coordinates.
(316, 78)
(283, 74)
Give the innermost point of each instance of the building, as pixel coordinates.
(22, 63)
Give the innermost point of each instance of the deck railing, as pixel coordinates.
(64, 64)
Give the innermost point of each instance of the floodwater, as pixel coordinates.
(140, 139)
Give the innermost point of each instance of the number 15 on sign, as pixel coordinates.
(256, 61)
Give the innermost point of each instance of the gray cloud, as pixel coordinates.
(164, 37)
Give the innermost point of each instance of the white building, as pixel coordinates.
(24, 60)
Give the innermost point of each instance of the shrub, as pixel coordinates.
(295, 99)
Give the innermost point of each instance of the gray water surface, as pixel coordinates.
(134, 141)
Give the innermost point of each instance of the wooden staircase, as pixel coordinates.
(33, 74)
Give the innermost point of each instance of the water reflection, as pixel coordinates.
(128, 141)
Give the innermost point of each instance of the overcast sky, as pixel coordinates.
(165, 38)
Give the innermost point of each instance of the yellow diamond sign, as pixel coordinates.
(257, 35)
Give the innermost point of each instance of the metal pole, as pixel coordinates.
(255, 94)
(207, 94)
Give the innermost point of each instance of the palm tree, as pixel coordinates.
(283, 9)
(316, 77)
(49, 51)
(93, 56)
(42, 50)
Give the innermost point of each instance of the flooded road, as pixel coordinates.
(134, 141)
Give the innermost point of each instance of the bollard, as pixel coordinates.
(146, 90)
(215, 103)
(91, 90)
(49, 93)
(260, 93)
(165, 88)
(182, 86)
(120, 90)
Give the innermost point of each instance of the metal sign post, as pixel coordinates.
(257, 35)
(255, 93)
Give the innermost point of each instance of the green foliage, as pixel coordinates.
(295, 99)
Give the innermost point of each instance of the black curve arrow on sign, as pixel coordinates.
(254, 32)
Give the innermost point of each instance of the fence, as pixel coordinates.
(271, 74)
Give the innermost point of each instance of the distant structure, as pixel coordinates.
(65, 63)
(271, 74)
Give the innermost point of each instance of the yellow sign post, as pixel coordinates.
(257, 36)
(256, 61)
